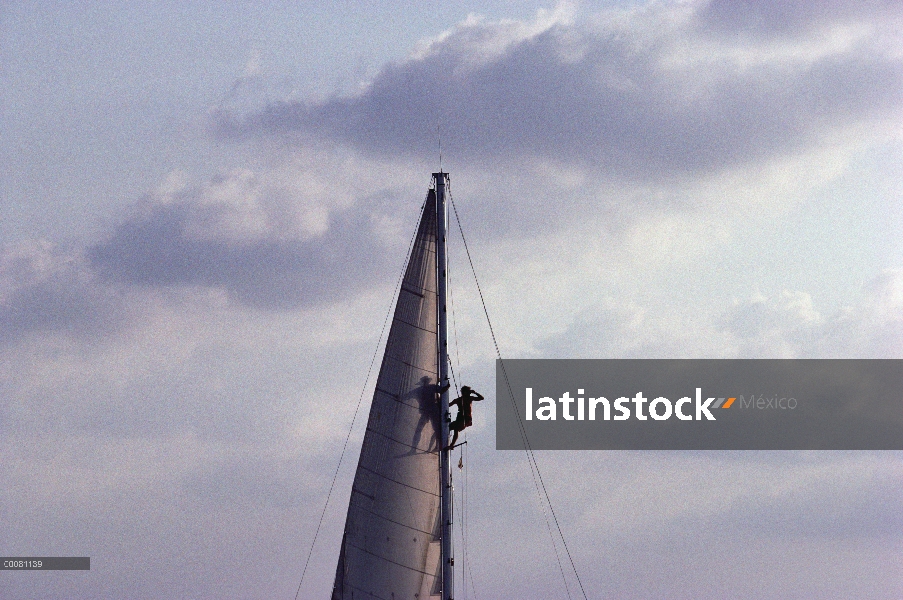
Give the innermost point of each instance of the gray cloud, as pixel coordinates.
(630, 100)
(43, 290)
(873, 510)
(780, 327)
(780, 517)
(270, 272)
(791, 18)
(58, 305)
(193, 241)
(247, 481)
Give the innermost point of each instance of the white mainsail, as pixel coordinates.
(391, 545)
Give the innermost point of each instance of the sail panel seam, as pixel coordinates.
(413, 325)
(376, 514)
(411, 291)
(405, 444)
(365, 494)
(388, 560)
(387, 478)
(371, 594)
(404, 362)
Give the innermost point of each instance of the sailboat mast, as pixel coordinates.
(445, 489)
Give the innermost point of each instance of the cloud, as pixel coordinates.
(763, 494)
(282, 238)
(680, 511)
(791, 18)
(642, 94)
(787, 325)
(263, 245)
(855, 505)
(254, 481)
(779, 327)
(874, 327)
(44, 289)
(783, 325)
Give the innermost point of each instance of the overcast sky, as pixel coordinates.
(205, 207)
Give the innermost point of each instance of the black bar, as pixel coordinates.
(45, 563)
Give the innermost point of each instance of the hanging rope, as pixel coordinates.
(468, 567)
(358, 406)
(465, 567)
(534, 466)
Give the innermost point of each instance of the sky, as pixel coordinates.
(205, 208)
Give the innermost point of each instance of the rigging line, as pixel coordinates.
(465, 563)
(360, 399)
(464, 497)
(462, 513)
(529, 450)
(466, 567)
(454, 378)
(531, 459)
(464, 518)
(511, 393)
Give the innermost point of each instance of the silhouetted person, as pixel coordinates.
(464, 418)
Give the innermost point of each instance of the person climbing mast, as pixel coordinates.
(464, 418)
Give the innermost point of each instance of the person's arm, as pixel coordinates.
(476, 395)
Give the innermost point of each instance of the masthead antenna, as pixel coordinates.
(439, 136)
